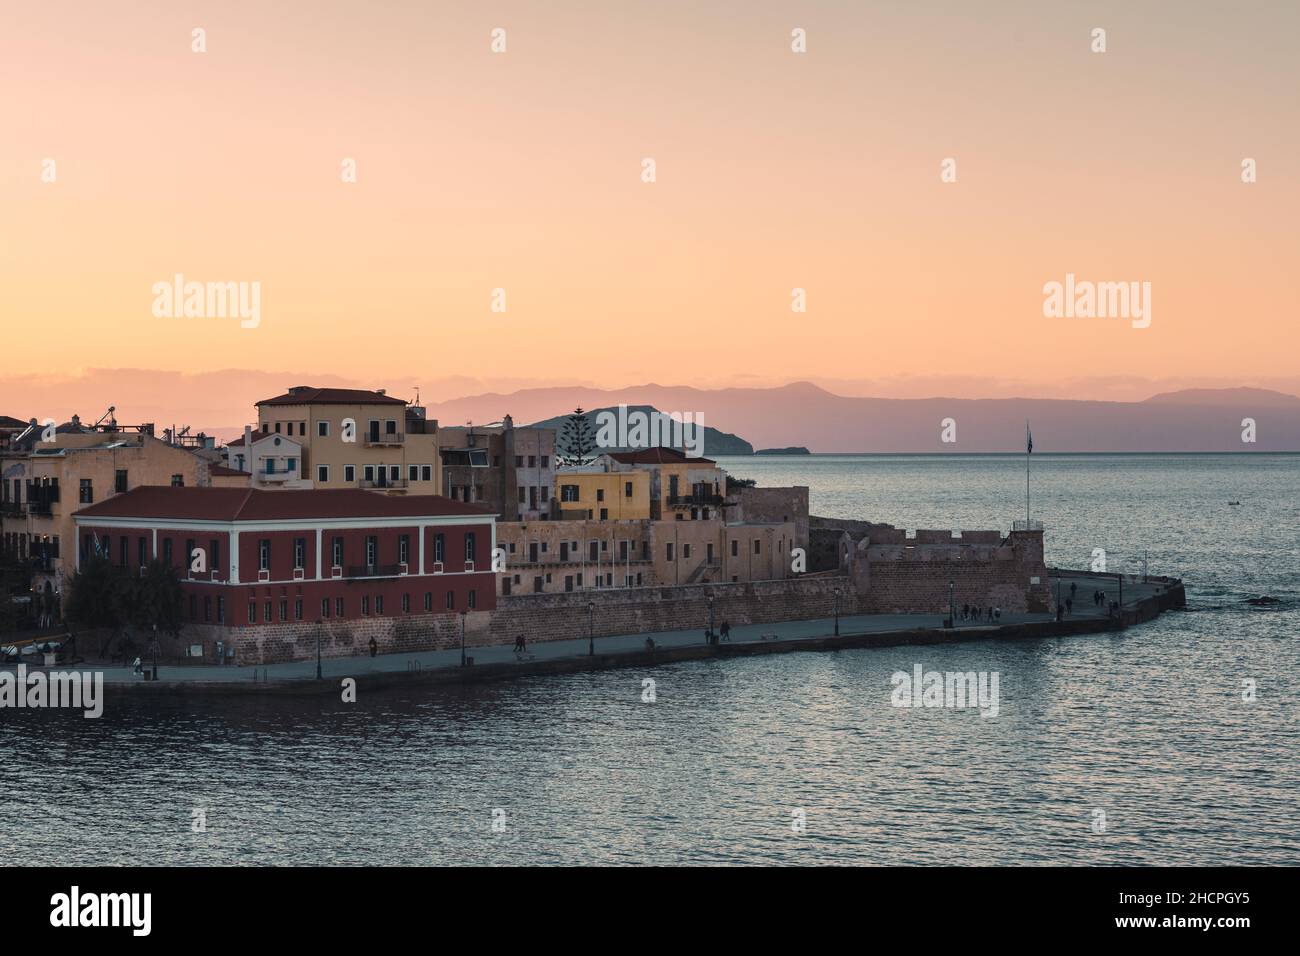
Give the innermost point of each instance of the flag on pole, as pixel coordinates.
(1029, 440)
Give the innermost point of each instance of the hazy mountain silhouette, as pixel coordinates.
(1204, 420)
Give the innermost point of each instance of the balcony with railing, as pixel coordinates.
(694, 501)
(382, 484)
(380, 439)
(374, 570)
(12, 509)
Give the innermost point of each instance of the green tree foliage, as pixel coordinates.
(105, 595)
(577, 440)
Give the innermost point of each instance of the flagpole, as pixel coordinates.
(1029, 446)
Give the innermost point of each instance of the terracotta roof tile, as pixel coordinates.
(332, 396)
(250, 504)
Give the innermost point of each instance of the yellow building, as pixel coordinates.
(352, 438)
(681, 487)
(600, 495)
(77, 467)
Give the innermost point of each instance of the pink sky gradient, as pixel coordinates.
(521, 171)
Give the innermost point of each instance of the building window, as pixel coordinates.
(600, 494)
(297, 609)
(122, 550)
(350, 474)
(379, 604)
(390, 427)
(406, 603)
(532, 461)
(670, 550)
(473, 597)
(214, 554)
(302, 429)
(426, 472)
(322, 473)
(523, 494)
(404, 549)
(292, 464)
(119, 481)
(207, 608)
(372, 550)
(324, 607)
(627, 489)
(264, 555)
(86, 494)
(394, 473)
(451, 600)
(338, 607)
(545, 459)
(757, 546)
(221, 609)
(686, 551)
(365, 604)
(299, 552)
(284, 610)
(604, 514)
(519, 461)
(428, 600)
(369, 472)
(178, 481)
(438, 542)
(735, 548)
(323, 429)
(167, 552)
(413, 472)
(337, 552)
(568, 492)
(252, 612)
(141, 551)
(469, 546)
(266, 612)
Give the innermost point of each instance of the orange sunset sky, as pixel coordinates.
(522, 171)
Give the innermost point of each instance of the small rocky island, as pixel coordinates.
(792, 450)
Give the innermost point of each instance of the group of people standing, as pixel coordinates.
(970, 612)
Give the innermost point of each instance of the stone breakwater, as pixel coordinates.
(1166, 594)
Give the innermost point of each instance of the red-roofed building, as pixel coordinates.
(261, 569)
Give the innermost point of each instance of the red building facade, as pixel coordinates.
(250, 558)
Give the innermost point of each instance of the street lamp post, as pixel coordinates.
(952, 608)
(318, 635)
(463, 616)
(837, 612)
(710, 617)
(591, 633)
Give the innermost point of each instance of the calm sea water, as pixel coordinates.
(1148, 727)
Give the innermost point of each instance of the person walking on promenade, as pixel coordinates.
(965, 610)
(726, 630)
(1073, 586)
(374, 648)
(1069, 605)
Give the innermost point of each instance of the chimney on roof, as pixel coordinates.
(299, 389)
(76, 422)
(508, 423)
(381, 391)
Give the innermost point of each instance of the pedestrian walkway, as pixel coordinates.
(579, 645)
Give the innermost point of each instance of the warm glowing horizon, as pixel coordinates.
(775, 170)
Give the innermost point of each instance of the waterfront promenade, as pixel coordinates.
(500, 661)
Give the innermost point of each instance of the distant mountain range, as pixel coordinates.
(1192, 420)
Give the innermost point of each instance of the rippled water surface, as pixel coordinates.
(1149, 726)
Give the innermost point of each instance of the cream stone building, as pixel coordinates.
(351, 438)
